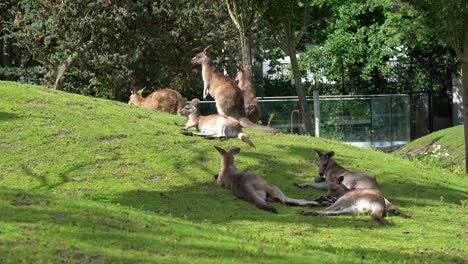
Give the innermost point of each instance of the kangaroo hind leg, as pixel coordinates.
(275, 193)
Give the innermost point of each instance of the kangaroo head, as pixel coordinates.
(243, 73)
(135, 96)
(227, 157)
(324, 160)
(189, 108)
(336, 188)
(202, 57)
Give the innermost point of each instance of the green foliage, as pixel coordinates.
(89, 180)
(125, 43)
(363, 36)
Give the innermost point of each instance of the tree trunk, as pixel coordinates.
(67, 64)
(300, 91)
(246, 46)
(465, 87)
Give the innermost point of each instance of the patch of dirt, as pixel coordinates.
(76, 178)
(420, 150)
(127, 165)
(29, 229)
(60, 218)
(77, 255)
(49, 125)
(300, 174)
(21, 200)
(204, 159)
(143, 117)
(62, 133)
(282, 147)
(37, 102)
(159, 133)
(120, 175)
(154, 178)
(111, 138)
(267, 162)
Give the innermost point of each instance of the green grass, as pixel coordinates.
(95, 181)
(446, 149)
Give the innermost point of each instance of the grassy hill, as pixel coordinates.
(445, 147)
(85, 180)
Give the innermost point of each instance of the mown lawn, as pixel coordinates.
(85, 180)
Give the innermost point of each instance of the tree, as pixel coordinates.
(242, 13)
(286, 21)
(449, 19)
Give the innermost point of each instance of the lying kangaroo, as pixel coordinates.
(251, 187)
(330, 170)
(212, 126)
(228, 96)
(166, 100)
(250, 100)
(358, 201)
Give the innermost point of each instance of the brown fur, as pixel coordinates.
(252, 110)
(166, 100)
(250, 187)
(228, 96)
(358, 201)
(353, 180)
(213, 126)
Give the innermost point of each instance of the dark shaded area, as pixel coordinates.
(8, 116)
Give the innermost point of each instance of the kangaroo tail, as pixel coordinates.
(246, 139)
(245, 122)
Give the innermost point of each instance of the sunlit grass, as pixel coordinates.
(91, 180)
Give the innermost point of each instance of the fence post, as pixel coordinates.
(317, 113)
(295, 122)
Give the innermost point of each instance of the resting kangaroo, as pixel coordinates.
(251, 187)
(331, 170)
(165, 100)
(250, 100)
(358, 201)
(228, 96)
(212, 126)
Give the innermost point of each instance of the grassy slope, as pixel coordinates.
(451, 141)
(90, 180)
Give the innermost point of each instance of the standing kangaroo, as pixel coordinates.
(252, 188)
(353, 180)
(212, 126)
(358, 201)
(228, 96)
(166, 100)
(250, 100)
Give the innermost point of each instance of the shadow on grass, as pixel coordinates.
(7, 116)
(114, 235)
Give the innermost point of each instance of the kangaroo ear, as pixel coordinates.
(330, 154)
(207, 48)
(220, 150)
(340, 179)
(235, 151)
(194, 101)
(320, 153)
(140, 92)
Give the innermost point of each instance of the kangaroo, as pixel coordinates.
(358, 201)
(212, 126)
(251, 107)
(166, 100)
(329, 170)
(228, 96)
(252, 188)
